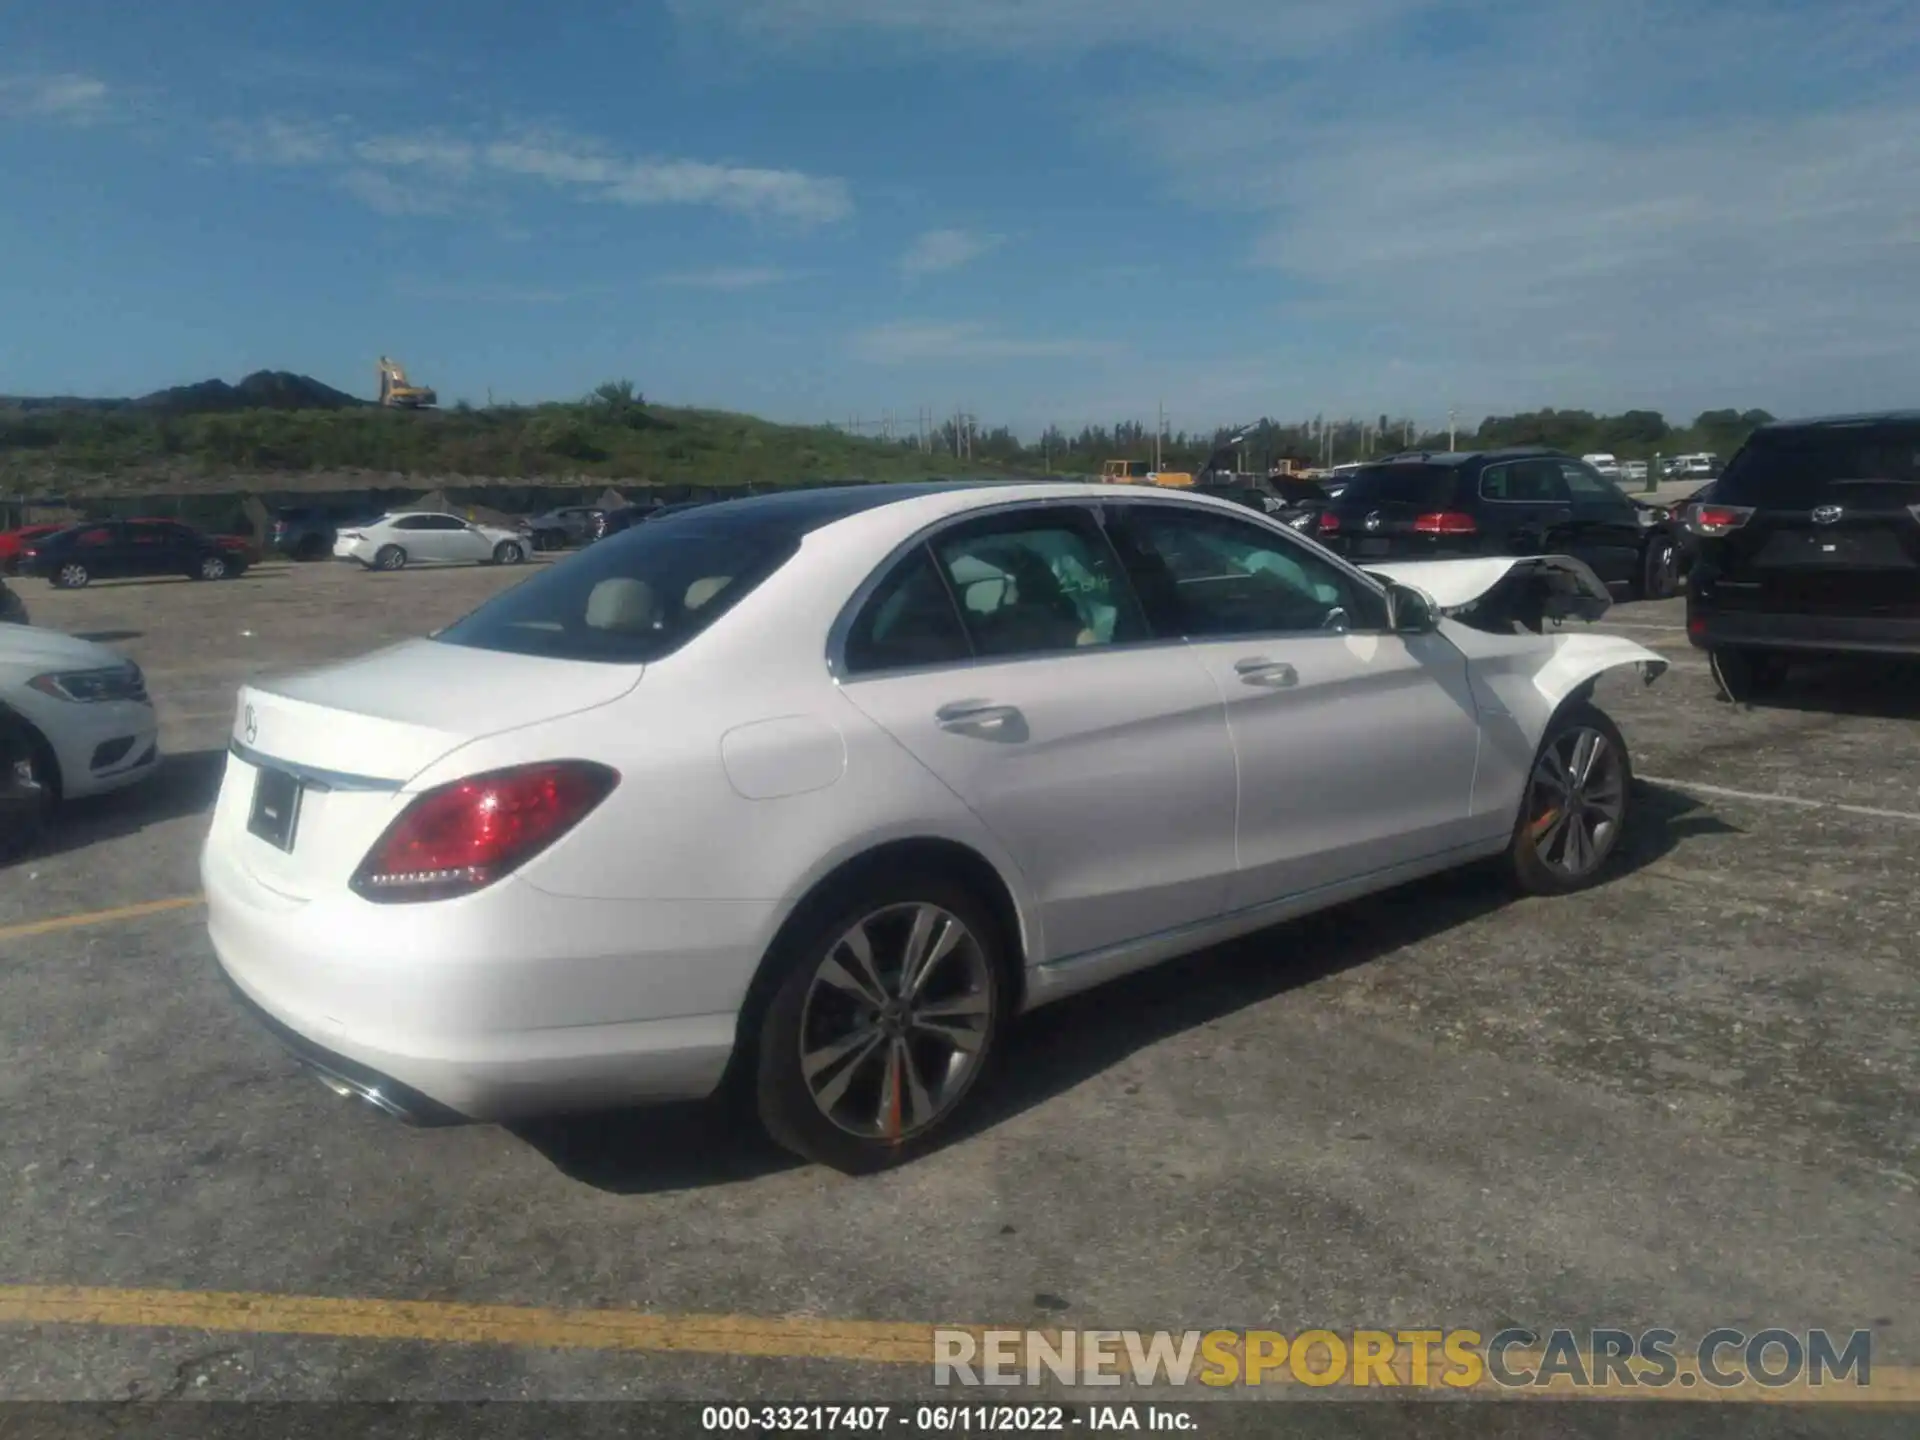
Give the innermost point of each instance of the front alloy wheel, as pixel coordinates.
(1575, 806)
(71, 576)
(882, 1028)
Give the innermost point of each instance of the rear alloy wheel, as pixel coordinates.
(881, 1026)
(508, 552)
(1746, 675)
(1575, 805)
(26, 789)
(390, 557)
(1660, 569)
(71, 576)
(213, 567)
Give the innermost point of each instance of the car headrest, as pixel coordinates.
(703, 590)
(624, 605)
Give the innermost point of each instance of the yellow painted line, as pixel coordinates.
(790, 1337)
(99, 917)
(633, 1330)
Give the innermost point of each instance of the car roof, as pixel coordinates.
(1461, 457)
(1866, 417)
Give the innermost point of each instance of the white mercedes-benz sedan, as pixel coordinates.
(815, 791)
(395, 541)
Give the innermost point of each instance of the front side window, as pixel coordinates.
(1589, 485)
(1031, 584)
(1207, 577)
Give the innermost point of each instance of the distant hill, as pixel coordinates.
(262, 390)
(305, 435)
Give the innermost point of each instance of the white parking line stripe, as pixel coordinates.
(1637, 625)
(1800, 802)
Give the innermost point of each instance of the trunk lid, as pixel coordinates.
(352, 735)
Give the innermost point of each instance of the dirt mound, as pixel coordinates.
(262, 390)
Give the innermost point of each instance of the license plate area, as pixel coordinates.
(1803, 549)
(275, 815)
(1372, 547)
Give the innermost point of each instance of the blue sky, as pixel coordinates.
(1040, 210)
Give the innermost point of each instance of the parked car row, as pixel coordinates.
(75, 555)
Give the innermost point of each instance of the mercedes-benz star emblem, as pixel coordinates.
(250, 725)
(1826, 514)
(1372, 521)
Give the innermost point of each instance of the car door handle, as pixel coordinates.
(1276, 674)
(974, 715)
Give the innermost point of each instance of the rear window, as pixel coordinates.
(633, 598)
(1427, 486)
(1798, 468)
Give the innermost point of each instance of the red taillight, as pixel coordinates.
(1445, 522)
(463, 836)
(1696, 627)
(1329, 522)
(1717, 519)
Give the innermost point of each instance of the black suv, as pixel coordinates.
(1444, 505)
(1809, 544)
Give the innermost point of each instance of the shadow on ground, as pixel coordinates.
(1061, 1046)
(1873, 690)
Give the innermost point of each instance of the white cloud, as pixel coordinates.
(1042, 30)
(744, 277)
(940, 250)
(963, 340)
(426, 152)
(274, 141)
(430, 172)
(68, 99)
(387, 195)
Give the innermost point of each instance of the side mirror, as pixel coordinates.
(1411, 611)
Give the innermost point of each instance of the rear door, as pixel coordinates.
(1356, 746)
(103, 549)
(1009, 657)
(1835, 522)
(1606, 531)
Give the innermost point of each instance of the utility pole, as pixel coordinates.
(1453, 416)
(1159, 429)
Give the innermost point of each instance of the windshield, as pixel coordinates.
(1797, 468)
(633, 598)
(1427, 486)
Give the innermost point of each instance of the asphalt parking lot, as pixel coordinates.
(1687, 1098)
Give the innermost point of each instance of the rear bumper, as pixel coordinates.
(508, 1004)
(1812, 634)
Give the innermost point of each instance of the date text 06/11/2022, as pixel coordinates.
(942, 1419)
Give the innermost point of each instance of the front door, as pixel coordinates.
(1009, 658)
(1356, 746)
(1607, 532)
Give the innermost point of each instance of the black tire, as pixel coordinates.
(1660, 568)
(29, 787)
(212, 567)
(71, 575)
(509, 552)
(390, 557)
(1744, 676)
(971, 974)
(1544, 856)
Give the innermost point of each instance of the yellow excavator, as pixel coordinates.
(399, 393)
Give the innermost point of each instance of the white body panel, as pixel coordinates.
(1135, 802)
(74, 730)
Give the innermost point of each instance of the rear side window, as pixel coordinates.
(1524, 482)
(633, 598)
(908, 622)
(1428, 487)
(1827, 464)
